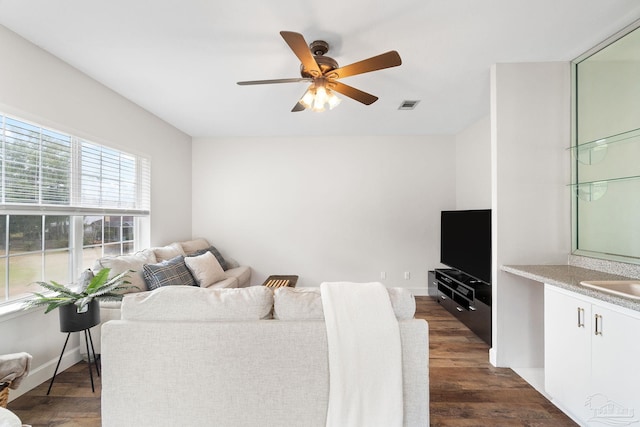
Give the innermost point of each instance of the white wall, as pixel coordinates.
(326, 209)
(473, 166)
(37, 86)
(530, 125)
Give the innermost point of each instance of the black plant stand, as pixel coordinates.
(72, 321)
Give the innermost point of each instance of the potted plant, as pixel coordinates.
(78, 305)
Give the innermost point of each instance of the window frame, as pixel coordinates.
(116, 166)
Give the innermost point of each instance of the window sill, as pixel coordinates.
(16, 309)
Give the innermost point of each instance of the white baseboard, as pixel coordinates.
(420, 292)
(535, 378)
(45, 371)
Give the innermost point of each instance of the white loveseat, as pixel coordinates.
(233, 275)
(185, 356)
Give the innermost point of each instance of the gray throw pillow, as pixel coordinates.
(215, 253)
(168, 273)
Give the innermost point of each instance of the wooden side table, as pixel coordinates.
(278, 281)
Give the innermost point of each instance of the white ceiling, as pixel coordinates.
(181, 59)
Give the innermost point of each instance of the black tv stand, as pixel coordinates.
(466, 298)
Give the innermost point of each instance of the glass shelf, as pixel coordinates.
(594, 190)
(624, 136)
(591, 191)
(622, 178)
(594, 152)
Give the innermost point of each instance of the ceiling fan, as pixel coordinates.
(323, 73)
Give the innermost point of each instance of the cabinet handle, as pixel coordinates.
(580, 317)
(459, 309)
(598, 326)
(443, 297)
(472, 308)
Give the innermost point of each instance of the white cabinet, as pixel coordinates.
(592, 358)
(567, 356)
(615, 361)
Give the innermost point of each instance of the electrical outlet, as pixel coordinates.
(407, 275)
(383, 275)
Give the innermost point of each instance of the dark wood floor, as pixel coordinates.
(465, 389)
(70, 403)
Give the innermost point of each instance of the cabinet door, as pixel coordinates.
(432, 286)
(567, 354)
(615, 366)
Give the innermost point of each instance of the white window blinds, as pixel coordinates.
(36, 164)
(45, 168)
(111, 178)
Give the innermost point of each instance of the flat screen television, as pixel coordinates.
(465, 242)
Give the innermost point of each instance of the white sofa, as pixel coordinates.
(184, 356)
(234, 276)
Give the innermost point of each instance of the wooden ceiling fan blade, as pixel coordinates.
(353, 93)
(268, 82)
(380, 62)
(300, 47)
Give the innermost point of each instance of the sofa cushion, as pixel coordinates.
(403, 303)
(229, 282)
(242, 274)
(133, 262)
(191, 246)
(164, 253)
(297, 304)
(110, 305)
(188, 303)
(306, 303)
(171, 272)
(205, 269)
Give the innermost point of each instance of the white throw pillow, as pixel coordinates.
(191, 246)
(205, 269)
(134, 262)
(168, 252)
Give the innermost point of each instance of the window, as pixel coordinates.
(65, 203)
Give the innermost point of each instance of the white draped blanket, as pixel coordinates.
(365, 357)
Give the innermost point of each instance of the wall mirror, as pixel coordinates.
(605, 150)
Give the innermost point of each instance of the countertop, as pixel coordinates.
(569, 277)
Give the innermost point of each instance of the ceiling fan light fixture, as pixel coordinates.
(333, 100)
(318, 98)
(308, 97)
(321, 98)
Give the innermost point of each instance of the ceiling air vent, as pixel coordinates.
(408, 105)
